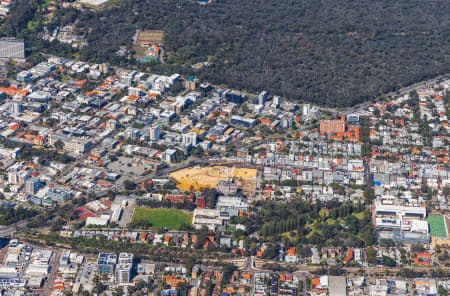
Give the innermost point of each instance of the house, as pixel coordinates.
(349, 256)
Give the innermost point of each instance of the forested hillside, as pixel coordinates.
(333, 52)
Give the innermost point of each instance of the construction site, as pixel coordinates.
(208, 177)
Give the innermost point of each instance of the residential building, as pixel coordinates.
(73, 144)
(124, 268)
(190, 139)
(332, 126)
(154, 133)
(32, 185)
(242, 121)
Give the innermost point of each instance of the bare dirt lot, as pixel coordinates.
(209, 177)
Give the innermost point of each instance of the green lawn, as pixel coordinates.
(437, 226)
(324, 212)
(162, 218)
(361, 215)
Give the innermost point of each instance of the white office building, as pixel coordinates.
(126, 258)
(124, 268)
(123, 273)
(190, 139)
(32, 185)
(154, 133)
(16, 108)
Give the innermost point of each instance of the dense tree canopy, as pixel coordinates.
(332, 52)
(10, 215)
(320, 224)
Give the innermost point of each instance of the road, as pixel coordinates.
(161, 56)
(304, 286)
(367, 173)
(6, 231)
(54, 268)
(302, 268)
(252, 285)
(249, 266)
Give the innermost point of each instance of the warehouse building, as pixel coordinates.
(11, 48)
(402, 223)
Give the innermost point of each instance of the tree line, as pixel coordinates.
(328, 52)
(9, 215)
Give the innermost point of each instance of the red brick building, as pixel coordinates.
(179, 198)
(332, 126)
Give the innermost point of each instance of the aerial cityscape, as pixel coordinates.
(134, 162)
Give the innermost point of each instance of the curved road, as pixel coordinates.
(10, 229)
